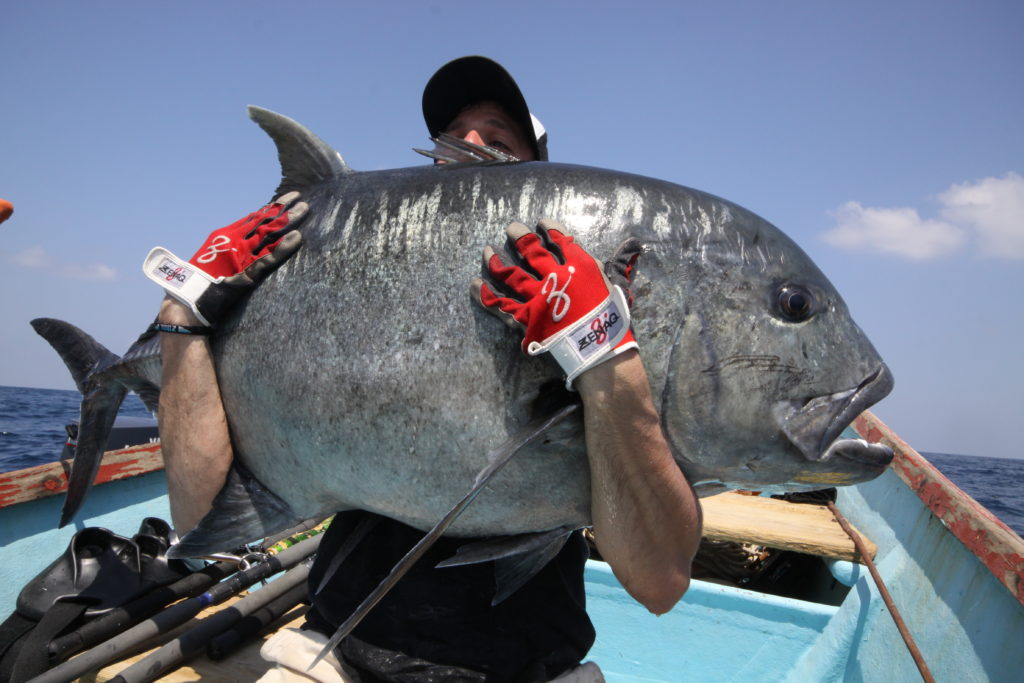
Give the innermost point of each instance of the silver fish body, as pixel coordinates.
(362, 375)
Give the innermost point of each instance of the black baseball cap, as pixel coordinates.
(469, 80)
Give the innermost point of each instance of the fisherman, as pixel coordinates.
(439, 624)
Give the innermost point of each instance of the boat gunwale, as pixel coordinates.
(998, 547)
(50, 479)
(995, 544)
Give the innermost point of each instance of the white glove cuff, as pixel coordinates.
(179, 278)
(591, 340)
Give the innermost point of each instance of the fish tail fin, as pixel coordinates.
(96, 419)
(81, 353)
(85, 358)
(306, 160)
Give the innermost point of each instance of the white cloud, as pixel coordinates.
(36, 257)
(988, 213)
(897, 231)
(94, 271)
(994, 209)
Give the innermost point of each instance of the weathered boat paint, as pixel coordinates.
(50, 479)
(981, 532)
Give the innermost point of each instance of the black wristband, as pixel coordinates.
(201, 330)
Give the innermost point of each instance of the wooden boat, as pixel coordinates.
(955, 572)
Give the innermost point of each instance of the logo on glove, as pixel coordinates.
(599, 331)
(172, 273)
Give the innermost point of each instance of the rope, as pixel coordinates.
(926, 674)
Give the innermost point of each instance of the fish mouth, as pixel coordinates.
(812, 425)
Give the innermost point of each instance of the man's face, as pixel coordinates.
(486, 123)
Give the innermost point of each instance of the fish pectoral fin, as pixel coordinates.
(244, 511)
(454, 150)
(516, 558)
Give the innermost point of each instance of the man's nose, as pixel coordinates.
(474, 137)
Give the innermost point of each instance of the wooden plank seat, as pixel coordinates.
(801, 527)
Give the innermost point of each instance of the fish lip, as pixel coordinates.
(813, 425)
(874, 455)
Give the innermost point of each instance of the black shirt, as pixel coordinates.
(444, 616)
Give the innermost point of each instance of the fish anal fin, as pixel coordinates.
(244, 511)
(517, 559)
(512, 573)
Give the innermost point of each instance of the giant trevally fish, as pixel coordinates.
(362, 375)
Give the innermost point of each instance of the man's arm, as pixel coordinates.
(647, 521)
(194, 434)
(195, 438)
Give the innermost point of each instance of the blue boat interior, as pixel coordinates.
(838, 628)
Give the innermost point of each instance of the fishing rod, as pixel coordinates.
(171, 654)
(227, 642)
(131, 613)
(177, 614)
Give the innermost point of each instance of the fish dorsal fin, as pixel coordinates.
(306, 160)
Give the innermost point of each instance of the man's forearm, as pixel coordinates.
(647, 520)
(232, 262)
(194, 433)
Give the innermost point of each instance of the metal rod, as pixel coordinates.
(926, 673)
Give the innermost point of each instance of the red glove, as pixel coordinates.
(232, 260)
(231, 249)
(561, 301)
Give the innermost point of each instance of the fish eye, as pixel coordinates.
(795, 303)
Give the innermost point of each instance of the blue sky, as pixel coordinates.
(885, 138)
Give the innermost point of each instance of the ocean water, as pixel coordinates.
(32, 423)
(32, 433)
